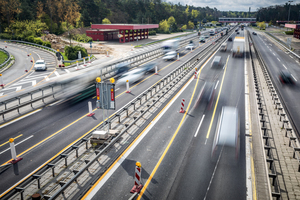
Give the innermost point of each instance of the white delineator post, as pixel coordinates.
(156, 70)
(84, 61)
(90, 109)
(1, 81)
(13, 152)
(182, 106)
(127, 86)
(107, 53)
(195, 73)
(191, 49)
(137, 178)
(89, 58)
(77, 65)
(131, 48)
(177, 56)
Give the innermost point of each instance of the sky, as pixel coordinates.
(234, 5)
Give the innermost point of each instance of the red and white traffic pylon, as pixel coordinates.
(156, 70)
(26, 68)
(90, 109)
(89, 59)
(137, 178)
(177, 56)
(107, 53)
(77, 65)
(182, 106)
(13, 152)
(1, 81)
(127, 86)
(84, 62)
(131, 48)
(195, 77)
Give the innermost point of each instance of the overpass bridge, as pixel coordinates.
(236, 20)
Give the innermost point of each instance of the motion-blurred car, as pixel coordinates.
(254, 33)
(238, 32)
(206, 36)
(230, 39)
(170, 56)
(132, 76)
(40, 65)
(216, 62)
(121, 69)
(149, 67)
(190, 46)
(285, 77)
(202, 40)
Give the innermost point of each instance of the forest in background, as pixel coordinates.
(58, 16)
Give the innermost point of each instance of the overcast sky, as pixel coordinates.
(233, 5)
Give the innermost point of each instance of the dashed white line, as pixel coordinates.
(56, 73)
(294, 77)
(199, 126)
(17, 144)
(274, 54)
(291, 56)
(278, 59)
(217, 84)
(67, 71)
(284, 66)
(1, 94)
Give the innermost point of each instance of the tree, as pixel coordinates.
(171, 21)
(164, 26)
(40, 10)
(190, 25)
(106, 21)
(8, 8)
(195, 13)
(184, 27)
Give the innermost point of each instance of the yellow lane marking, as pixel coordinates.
(253, 174)
(22, 75)
(45, 78)
(136, 140)
(8, 141)
(16, 119)
(213, 116)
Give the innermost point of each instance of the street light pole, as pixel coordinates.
(289, 11)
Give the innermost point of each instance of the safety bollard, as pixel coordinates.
(127, 86)
(177, 56)
(195, 77)
(137, 178)
(182, 106)
(84, 61)
(156, 70)
(107, 53)
(90, 109)
(191, 49)
(1, 81)
(15, 159)
(89, 59)
(77, 67)
(131, 47)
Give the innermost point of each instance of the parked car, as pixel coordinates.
(40, 65)
(132, 76)
(170, 56)
(285, 77)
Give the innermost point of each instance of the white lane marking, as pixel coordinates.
(56, 73)
(24, 81)
(297, 61)
(278, 59)
(291, 56)
(268, 47)
(67, 71)
(117, 89)
(82, 66)
(16, 144)
(47, 78)
(217, 84)
(1, 94)
(294, 77)
(15, 120)
(274, 54)
(199, 126)
(284, 66)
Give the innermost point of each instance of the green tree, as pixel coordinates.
(195, 13)
(164, 26)
(171, 21)
(184, 27)
(106, 21)
(190, 25)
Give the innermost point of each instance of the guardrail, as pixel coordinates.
(144, 107)
(40, 93)
(8, 58)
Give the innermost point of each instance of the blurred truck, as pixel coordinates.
(170, 45)
(238, 47)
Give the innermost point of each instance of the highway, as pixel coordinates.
(47, 131)
(175, 150)
(16, 78)
(276, 60)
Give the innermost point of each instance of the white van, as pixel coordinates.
(227, 134)
(216, 62)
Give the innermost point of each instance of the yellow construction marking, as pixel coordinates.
(8, 141)
(45, 78)
(22, 75)
(213, 116)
